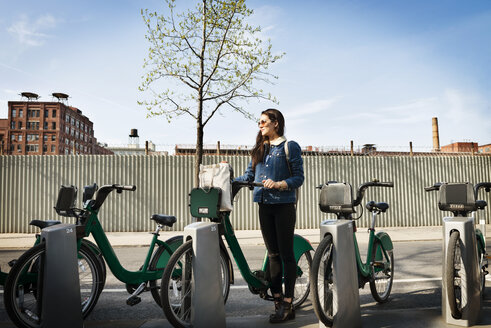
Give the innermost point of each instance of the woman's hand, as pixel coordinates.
(270, 184)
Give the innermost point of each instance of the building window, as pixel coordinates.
(20, 137)
(19, 148)
(53, 138)
(45, 137)
(46, 113)
(53, 148)
(72, 132)
(32, 148)
(12, 125)
(33, 125)
(19, 124)
(45, 127)
(13, 112)
(73, 121)
(45, 148)
(32, 137)
(21, 113)
(76, 134)
(54, 113)
(53, 125)
(67, 119)
(32, 113)
(12, 137)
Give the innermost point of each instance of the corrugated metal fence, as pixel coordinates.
(29, 187)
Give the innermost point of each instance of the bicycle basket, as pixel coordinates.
(205, 203)
(66, 200)
(336, 198)
(457, 197)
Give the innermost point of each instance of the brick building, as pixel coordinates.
(460, 147)
(47, 128)
(485, 149)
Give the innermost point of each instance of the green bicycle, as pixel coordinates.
(177, 285)
(461, 200)
(378, 270)
(23, 288)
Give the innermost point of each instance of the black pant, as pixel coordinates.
(277, 226)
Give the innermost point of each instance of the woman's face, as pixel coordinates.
(268, 128)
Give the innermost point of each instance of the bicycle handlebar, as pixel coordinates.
(106, 190)
(361, 189)
(485, 185)
(436, 186)
(237, 185)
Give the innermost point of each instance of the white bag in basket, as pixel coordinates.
(218, 176)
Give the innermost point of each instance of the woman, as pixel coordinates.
(281, 176)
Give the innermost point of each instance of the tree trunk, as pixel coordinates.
(198, 157)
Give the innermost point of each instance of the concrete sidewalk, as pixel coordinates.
(245, 237)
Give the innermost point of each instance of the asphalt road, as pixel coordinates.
(417, 285)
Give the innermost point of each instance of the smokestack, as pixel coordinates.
(436, 135)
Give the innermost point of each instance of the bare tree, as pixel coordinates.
(211, 58)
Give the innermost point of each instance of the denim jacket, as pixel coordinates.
(275, 167)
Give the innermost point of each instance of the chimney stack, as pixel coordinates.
(436, 135)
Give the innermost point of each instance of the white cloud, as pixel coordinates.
(317, 106)
(31, 32)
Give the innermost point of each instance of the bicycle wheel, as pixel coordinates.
(159, 261)
(481, 253)
(23, 288)
(176, 285)
(322, 281)
(302, 283)
(382, 272)
(452, 275)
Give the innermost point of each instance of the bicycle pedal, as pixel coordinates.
(12, 263)
(133, 300)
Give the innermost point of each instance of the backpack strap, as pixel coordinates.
(287, 153)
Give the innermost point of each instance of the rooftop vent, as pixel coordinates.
(30, 95)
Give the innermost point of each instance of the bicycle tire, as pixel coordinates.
(321, 276)
(159, 260)
(381, 279)
(97, 252)
(21, 300)
(302, 282)
(481, 253)
(452, 277)
(172, 294)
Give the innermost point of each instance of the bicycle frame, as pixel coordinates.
(94, 227)
(300, 245)
(383, 238)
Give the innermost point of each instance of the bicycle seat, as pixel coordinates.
(44, 224)
(381, 207)
(162, 219)
(481, 204)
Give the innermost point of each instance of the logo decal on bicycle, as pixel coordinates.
(203, 210)
(457, 206)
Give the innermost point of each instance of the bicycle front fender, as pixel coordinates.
(480, 240)
(385, 240)
(300, 246)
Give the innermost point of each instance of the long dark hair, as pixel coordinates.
(257, 153)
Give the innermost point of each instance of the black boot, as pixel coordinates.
(277, 302)
(285, 312)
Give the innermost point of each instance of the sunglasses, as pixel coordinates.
(262, 122)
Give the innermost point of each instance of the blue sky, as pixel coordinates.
(367, 71)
